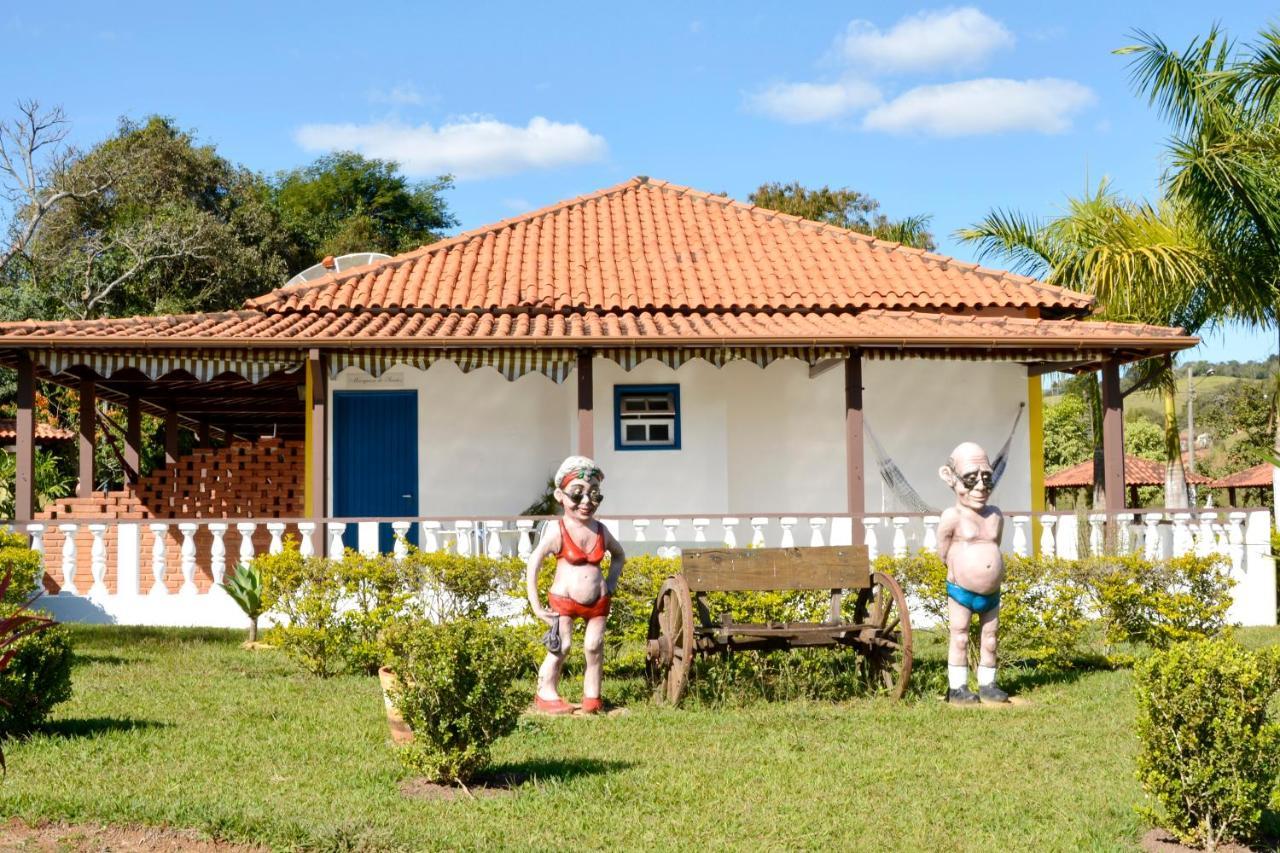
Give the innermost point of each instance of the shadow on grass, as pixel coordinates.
(929, 676)
(83, 659)
(555, 769)
(95, 726)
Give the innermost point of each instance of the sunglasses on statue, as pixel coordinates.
(971, 479)
(577, 496)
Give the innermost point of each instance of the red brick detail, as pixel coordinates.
(258, 480)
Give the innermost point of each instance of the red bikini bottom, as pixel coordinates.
(566, 606)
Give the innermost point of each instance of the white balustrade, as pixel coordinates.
(1151, 540)
(400, 539)
(816, 526)
(670, 525)
(1235, 538)
(1048, 547)
(36, 532)
(462, 537)
(1122, 534)
(430, 536)
(757, 531)
(188, 554)
(869, 538)
(337, 529)
(1096, 521)
(306, 545)
(930, 541)
(524, 538)
(900, 536)
(1182, 541)
(69, 558)
(246, 529)
(276, 529)
(98, 561)
(730, 533)
(1206, 542)
(492, 539)
(218, 553)
(159, 542)
(788, 539)
(700, 529)
(1020, 535)
(640, 525)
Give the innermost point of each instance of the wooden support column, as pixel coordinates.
(133, 439)
(205, 436)
(854, 463)
(88, 437)
(1112, 437)
(171, 434)
(586, 413)
(316, 498)
(25, 491)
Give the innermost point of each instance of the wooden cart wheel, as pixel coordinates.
(887, 663)
(670, 647)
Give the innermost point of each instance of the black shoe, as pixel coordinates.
(991, 693)
(962, 696)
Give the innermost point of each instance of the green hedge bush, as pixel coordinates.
(457, 692)
(25, 564)
(1158, 604)
(37, 678)
(1210, 752)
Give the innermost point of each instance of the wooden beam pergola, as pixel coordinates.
(855, 477)
(586, 405)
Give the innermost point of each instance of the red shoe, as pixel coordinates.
(592, 705)
(554, 706)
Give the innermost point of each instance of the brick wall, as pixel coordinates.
(260, 480)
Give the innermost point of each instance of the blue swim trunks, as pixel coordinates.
(972, 600)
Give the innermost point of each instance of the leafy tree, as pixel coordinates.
(846, 208)
(179, 229)
(1068, 437)
(345, 203)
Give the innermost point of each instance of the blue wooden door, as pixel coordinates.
(375, 460)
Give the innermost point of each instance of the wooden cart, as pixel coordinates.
(880, 630)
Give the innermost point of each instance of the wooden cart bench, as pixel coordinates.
(880, 630)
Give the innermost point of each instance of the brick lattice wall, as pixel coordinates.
(259, 480)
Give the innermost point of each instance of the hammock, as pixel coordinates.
(902, 490)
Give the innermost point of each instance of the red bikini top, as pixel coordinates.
(575, 556)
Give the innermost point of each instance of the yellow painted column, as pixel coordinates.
(1035, 423)
(308, 488)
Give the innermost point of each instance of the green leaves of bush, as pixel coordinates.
(456, 693)
(1209, 750)
(1160, 603)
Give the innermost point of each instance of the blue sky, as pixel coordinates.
(948, 110)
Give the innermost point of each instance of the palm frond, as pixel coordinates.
(1016, 239)
(1179, 85)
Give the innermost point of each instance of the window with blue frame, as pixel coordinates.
(646, 417)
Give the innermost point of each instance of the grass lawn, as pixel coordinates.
(184, 727)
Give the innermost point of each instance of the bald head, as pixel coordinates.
(968, 455)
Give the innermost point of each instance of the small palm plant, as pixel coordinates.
(245, 589)
(13, 627)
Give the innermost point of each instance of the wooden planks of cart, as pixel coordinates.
(682, 626)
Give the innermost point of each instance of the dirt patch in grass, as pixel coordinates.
(16, 835)
(492, 787)
(1163, 841)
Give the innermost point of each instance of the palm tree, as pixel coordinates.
(1144, 263)
(1224, 107)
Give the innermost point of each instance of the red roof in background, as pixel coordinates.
(1137, 472)
(649, 244)
(1257, 477)
(45, 433)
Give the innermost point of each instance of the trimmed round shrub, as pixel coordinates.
(24, 564)
(1209, 751)
(36, 679)
(457, 693)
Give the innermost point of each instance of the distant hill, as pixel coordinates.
(1147, 403)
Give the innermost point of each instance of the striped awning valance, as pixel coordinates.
(630, 357)
(1054, 356)
(253, 365)
(512, 362)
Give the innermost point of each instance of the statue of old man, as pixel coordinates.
(969, 544)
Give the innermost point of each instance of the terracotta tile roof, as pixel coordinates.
(648, 244)
(1257, 477)
(1137, 472)
(871, 327)
(45, 433)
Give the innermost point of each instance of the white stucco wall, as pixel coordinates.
(752, 440)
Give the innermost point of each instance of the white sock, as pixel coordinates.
(986, 676)
(957, 676)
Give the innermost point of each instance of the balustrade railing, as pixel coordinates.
(168, 571)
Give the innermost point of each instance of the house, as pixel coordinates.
(732, 369)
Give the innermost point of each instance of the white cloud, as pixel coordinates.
(989, 105)
(405, 94)
(469, 147)
(799, 103)
(952, 38)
